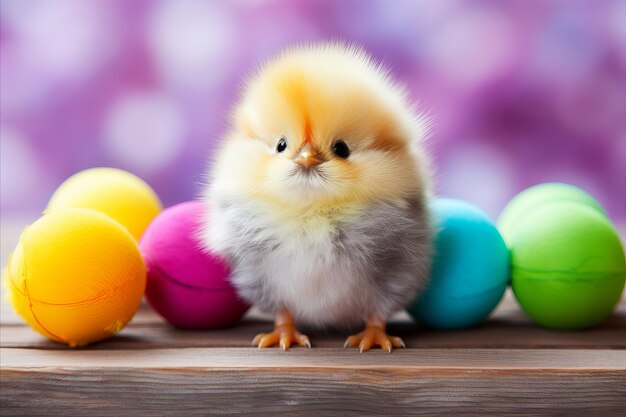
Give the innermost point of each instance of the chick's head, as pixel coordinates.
(324, 125)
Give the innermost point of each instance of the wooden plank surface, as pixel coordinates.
(331, 382)
(507, 328)
(321, 358)
(154, 369)
(313, 392)
(508, 365)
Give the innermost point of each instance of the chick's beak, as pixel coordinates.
(308, 156)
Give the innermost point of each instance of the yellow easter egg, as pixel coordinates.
(116, 193)
(76, 276)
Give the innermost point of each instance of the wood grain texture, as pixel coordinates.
(492, 335)
(507, 328)
(121, 377)
(311, 391)
(321, 358)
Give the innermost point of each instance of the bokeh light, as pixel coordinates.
(519, 92)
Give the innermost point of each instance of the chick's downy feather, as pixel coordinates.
(346, 238)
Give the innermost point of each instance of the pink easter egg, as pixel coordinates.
(186, 284)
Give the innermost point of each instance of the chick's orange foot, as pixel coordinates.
(374, 335)
(284, 334)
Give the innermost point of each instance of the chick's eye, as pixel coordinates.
(282, 145)
(341, 149)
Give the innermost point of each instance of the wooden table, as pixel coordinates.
(506, 366)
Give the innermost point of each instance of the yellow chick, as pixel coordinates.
(319, 196)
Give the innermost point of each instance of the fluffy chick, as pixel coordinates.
(319, 193)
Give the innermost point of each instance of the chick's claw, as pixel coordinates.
(283, 335)
(374, 336)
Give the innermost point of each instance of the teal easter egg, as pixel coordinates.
(470, 270)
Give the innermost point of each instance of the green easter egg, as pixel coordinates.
(535, 197)
(568, 267)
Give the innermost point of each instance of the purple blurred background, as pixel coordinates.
(521, 92)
